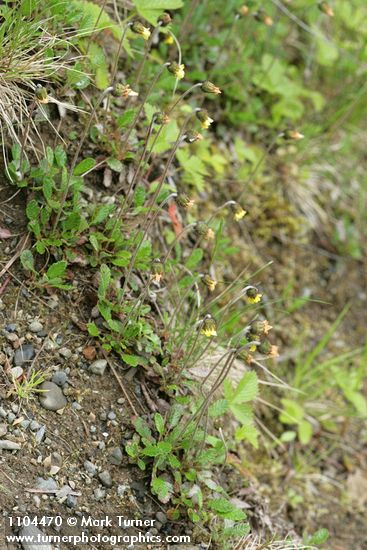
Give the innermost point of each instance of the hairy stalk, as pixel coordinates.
(77, 152)
(95, 26)
(148, 46)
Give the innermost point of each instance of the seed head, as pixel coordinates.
(210, 88)
(203, 230)
(259, 328)
(203, 116)
(263, 17)
(124, 91)
(244, 10)
(293, 135)
(266, 348)
(161, 118)
(138, 28)
(184, 201)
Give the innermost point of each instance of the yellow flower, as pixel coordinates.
(209, 327)
(168, 39)
(239, 212)
(209, 88)
(177, 70)
(205, 120)
(138, 28)
(252, 348)
(252, 295)
(209, 282)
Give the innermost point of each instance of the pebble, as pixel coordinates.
(99, 494)
(161, 517)
(90, 468)
(115, 456)
(3, 429)
(16, 372)
(98, 367)
(25, 424)
(52, 399)
(24, 354)
(111, 415)
(6, 445)
(76, 406)
(35, 326)
(71, 501)
(3, 412)
(121, 490)
(11, 417)
(59, 378)
(48, 484)
(40, 434)
(12, 327)
(65, 352)
(105, 478)
(35, 533)
(34, 426)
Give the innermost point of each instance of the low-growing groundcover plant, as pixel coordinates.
(183, 142)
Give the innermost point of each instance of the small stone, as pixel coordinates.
(48, 484)
(24, 354)
(3, 413)
(7, 445)
(40, 434)
(65, 352)
(25, 424)
(90, 353)
(115, 456)
(90, 468)
(16, 372)
(121, 490)
(51, 398)
(12, 327)
(98, 367)
(11, 417)
(105, 478)
(161, 517)
(15, 408)
(35, 326)
(32, 532)
(59, 378)
(112, 415)
(34, 425)
(99, 494)
(76, 406)
(71, 501)
(3, 429)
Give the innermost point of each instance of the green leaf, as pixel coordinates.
(161, 488)
(101, 213)
(225, 509)
(194, 258)
(126, 119)
(162, 448)
(319, 537)
(142, 428)
(93, 330)
(159, 423)
(305, 432)
(132, 360)
(247, 433)
(56, 270)
(115, 164)
(60, 156)
(293, 412)
(32, 210)
(218, 408)
(246, 389)
(84, 166)
(105, 273)
(27, 260)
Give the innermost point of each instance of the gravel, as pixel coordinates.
(105, 478)
(35, 326)
(24, 354)
(52, 399)
(7, 445)
(98, 367)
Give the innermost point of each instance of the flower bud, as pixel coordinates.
(261, 16)
(41, 94)
(164, 19)
(177, 70)
(260, 328)
(209, 282)
(203, 116)
(138, 28)
(326, 8)
(191, 136)
(209, 88)
(157, 271)
(293, 135)
(244, 10)
(266, 348)
(209, 327)
(185, 202)
(168, 39)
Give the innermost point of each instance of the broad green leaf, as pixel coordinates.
(105, 273)
(159, 423)
(305, 432)
(27, 260)
(152, 9)
(56, 270)
(84, 166)
(194, 258)
(225, 509)
(246, 389)
(293, 412)
(32, 210)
